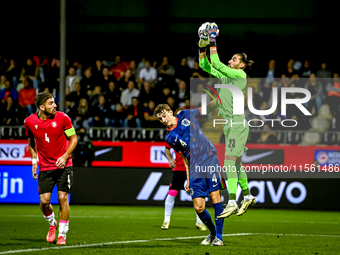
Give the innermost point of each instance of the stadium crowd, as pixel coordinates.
(125, 93)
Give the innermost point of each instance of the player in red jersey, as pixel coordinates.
(47, 131)
(178, 181)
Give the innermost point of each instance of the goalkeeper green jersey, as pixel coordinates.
(227, 75)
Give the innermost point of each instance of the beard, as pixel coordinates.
(49, 113)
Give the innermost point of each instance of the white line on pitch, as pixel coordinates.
(177, 218)
(159, 239)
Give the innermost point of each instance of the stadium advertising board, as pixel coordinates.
(17, 186)
(145, 186)
(152, 155)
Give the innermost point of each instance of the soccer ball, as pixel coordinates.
(203, 31)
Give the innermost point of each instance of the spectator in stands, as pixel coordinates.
(187, 105)
(172, 103)
(128, 76)
(99, 114)
(117, 117)
(97, 70)
(314, 86)
(128, 94)
(146, 94)
(135, 114)
(72, 79)
(9, 113)
(106, 78)
(78, 68)
(323, 72)
(151, 120)
(94, 98)
(333, 96)
(271, 72)
(83, 114)
(183, 71)
(77, 94)
(306, 71)
(31, 70)
(134, 72)
(289, 72)
(71, 109)
(267, 136)
(182, 93)
(54, 72)
(3, 79)
(112, 95)
(88, 82)
(13, 73)
(165, 70)
(27, 96)
(197, 72)
(118, 68)
(148, 73)
(8, 90)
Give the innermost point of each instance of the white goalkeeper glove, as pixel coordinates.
(203, 34)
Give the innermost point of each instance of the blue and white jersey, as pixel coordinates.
(187, 137)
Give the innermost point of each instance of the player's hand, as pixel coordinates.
(213, 32)
(187, 186)
(61, 162)
(203, 34)
(172, 163)
(34, 171)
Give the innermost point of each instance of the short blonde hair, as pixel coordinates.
(162, 107)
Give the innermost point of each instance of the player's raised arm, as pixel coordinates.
(203, 43)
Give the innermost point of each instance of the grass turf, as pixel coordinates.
(136, 230)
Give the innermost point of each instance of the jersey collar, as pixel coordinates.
(169, 129)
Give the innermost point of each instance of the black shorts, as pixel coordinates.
(63, 178)
(178, 180)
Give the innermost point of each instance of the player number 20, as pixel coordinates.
(47, 139)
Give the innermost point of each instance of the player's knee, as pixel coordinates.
(199, 208)
(44, 201)
(62, 198)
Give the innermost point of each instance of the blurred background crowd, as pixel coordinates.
(124, 92)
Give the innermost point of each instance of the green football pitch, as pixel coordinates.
(136, 230)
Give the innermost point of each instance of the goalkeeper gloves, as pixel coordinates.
(213, 32)
(203, 35)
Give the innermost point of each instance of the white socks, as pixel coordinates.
(169, 205)
(248, 197)
(51, 220)
(63, 228)
(232, 203)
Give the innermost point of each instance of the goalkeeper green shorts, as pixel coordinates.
(236, 132)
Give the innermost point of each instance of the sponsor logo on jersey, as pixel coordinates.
(36, 126)
(54, 124)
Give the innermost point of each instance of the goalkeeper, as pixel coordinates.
(237, 134)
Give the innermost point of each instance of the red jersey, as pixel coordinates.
(180, 166)
(50, 138)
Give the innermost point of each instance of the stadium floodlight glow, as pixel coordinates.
(238, 100)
